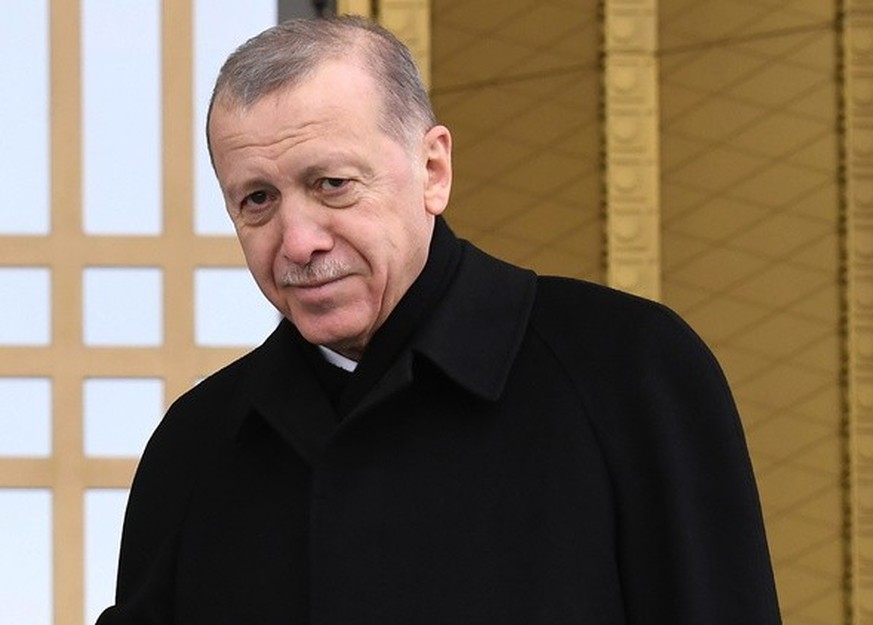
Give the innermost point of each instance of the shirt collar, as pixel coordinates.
(337, 359)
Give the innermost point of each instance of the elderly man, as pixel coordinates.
(430, 435)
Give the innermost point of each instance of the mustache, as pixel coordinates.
(314, 273)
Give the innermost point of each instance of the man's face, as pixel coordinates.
(334, 216)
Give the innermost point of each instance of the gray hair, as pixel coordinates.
(285, 55)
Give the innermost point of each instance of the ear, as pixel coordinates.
(438, 164)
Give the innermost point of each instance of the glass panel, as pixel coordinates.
(25, 416)
(120, 414)
(229, 309)
(219, 27)
(26, 564)
(24, 118)
(104, 516)
(25, 306)
(123, 307)
(121, 117)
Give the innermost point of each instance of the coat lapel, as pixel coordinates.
(284, 392)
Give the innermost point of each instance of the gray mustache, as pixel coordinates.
(314, 273)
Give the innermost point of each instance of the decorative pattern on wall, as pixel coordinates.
(858, 124)
(518, 83)
(632, 156)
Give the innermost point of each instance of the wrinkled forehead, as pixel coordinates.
(339, 86)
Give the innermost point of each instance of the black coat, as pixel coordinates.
(542, 451)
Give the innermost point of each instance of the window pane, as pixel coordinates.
(25, 416)
(104, 515)
(25, 306)
(219, 27)
(122, 117)
(26, 565)
(120, 414)
(229, 309)
(24, 118)
(123, 307)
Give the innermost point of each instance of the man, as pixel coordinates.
(430, 435)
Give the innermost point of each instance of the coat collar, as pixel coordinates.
(279, 381)
(476, 332)
(473, 337)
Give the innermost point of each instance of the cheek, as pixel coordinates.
(260, 255)
(399, 259)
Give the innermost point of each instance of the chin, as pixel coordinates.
(338, 337)
(345, 326)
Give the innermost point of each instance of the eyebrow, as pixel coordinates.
(239, 190)
(328, 163)
(326, 166)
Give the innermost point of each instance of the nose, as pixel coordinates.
(305, 233)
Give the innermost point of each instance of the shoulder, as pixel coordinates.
(204, 417)
(577, 310)
(196, 427)
(209, 399)
(219, 390)
(625, 348)
(218, 397)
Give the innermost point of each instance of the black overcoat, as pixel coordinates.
(543, 451)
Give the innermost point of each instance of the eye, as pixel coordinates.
(258, 197)
(337, 192)
(257, 206)
(257, 200)
(333, 184)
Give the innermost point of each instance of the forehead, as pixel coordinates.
(329, 122)
(337, 91)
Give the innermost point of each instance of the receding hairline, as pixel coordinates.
(239, 94)
(361, 43)
(227, 103)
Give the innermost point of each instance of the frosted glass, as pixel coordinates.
(219, 27)
(24, 118)
(25, 306)
(25, 417)
(120, 414)
(229, 309)
(26, 563)
(123, 307)
(104, 516)
(121, 117)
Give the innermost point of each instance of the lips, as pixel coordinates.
(314, 284)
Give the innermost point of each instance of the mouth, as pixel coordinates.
(314, 289)
(311, 285)
(317, 284)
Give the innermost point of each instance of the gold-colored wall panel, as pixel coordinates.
(751, 257)
(518, 84)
